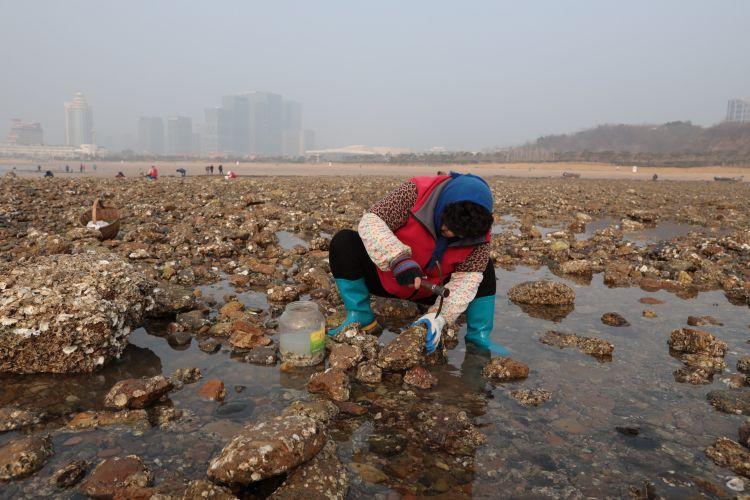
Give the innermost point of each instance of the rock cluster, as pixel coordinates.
(701, 353)
(614, 319)
(12, 418)
(123, 477)
(23, 457)
(405, 351)
(598, 348)
(69, 313)
(502, 369)
(531, 397)
(542, 293)
(728, 453)
(322, 477)
(333, 383)
(420, 377)
(137, 393)
(271, 448)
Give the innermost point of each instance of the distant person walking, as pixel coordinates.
(80, 169)
(221, 170)
(207, 169)
(67, 168)
(212, 169)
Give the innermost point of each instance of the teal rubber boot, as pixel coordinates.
(480, 318)
(356, 298)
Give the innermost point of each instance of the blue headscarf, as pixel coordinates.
(461, 187)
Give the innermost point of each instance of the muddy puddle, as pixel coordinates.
(566, 447)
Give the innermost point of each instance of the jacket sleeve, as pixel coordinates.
(464, 283)
(381, 244)
(463, 287)
(377, 225)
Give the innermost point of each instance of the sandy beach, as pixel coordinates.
(586, 170)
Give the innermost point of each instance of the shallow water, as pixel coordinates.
(663, 230)
(288, 240)
(567, 447)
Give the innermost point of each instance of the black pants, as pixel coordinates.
(349, 260)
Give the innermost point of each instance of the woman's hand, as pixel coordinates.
(407, 271)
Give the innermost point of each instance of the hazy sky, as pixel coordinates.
(414, 74)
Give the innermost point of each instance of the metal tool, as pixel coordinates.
(438, 290)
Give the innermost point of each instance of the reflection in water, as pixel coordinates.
(60, 394)
(550, 313)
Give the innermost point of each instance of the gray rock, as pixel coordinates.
(369, 373)
(200, 488)
(323, 477)
(735, 401)
(344, 356)
(548, 293)
(12, 418)
(263, 355)
(193, 320)
(405, 351)
(115, 476)
(268, 449)
(70, 475)
(23, 457)
(170, 299)
(134, 393)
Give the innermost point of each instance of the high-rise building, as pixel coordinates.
(293, 137)
(25, 133)
(266, 123)
(179, 135)
(217, 132)
(237, 110)
(738, 111)
(79, 121)
(292, 115)
(254, 123)
(151, 135)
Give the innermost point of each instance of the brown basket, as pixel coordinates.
(108, 214)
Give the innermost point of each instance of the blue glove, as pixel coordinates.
(434, 326)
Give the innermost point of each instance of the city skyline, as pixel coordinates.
(252, 123)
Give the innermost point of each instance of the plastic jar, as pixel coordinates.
(302, 334)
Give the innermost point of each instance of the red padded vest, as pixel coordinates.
(416, 235)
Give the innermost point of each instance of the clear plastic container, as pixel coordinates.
(302, 334)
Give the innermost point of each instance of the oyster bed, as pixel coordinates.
(577, 426)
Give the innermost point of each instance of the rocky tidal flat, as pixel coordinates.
(147, 366)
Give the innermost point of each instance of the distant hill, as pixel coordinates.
(669, 138)
(679, 144)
